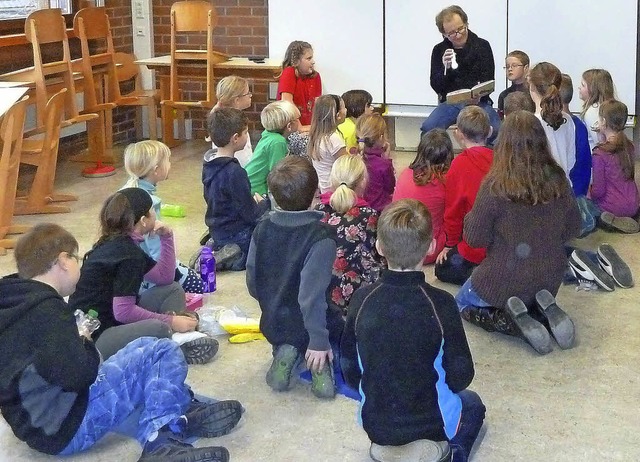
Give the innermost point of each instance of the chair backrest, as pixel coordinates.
(127, 69)
(52, 121)
(42, 27)
(93, 24)
(11, 130)
(192, 16)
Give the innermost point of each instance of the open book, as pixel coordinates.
(466, 94)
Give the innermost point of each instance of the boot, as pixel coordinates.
(534, 333)
(490, 319)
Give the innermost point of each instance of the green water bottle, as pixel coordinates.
(172, 210)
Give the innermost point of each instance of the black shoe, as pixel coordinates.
(226, 256)
(168, 449)
(531, 330)
(625, 225)
(209, 420)
(614, 266)
(200, 351)
(490, 319)
(585, 268)
(556, 320)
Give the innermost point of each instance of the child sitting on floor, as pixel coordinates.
(357, 102)
(357, 260)
(288, 272)
(232, 212)
(57, 395)
(405, 349)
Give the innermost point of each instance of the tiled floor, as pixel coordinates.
(575, 405)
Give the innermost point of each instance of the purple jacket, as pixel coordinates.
(382, 179)
(610, 190)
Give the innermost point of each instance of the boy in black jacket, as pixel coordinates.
(405, 348)
(232, 212)
(55, 393)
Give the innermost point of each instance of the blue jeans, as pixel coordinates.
(473, 412)
(589, 212)
(147, 376)
(467, 296)
(445, 115)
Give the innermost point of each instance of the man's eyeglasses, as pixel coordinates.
(513, 66)
(459, 31)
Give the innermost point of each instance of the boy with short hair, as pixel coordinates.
(518, 101)
(516, 66)
(279, 119)
(55, 393)
(468, 169)
(580, 173)
(232, 211)
(288, 271)
(405, 348)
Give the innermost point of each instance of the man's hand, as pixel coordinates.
(447, 57)
(317, 359)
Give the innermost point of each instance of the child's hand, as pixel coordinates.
(317, 359)
(387, 150)
(442, 257)
(183, 323)
(258, 198)
(161, 229)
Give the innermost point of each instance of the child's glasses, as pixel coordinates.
(513, 66)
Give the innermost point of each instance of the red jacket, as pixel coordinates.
(461, 187)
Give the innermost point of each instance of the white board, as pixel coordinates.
(347, 40)
(411, 34)
(576, 36)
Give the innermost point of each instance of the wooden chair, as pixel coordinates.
(188, 17)
(47, 26)
(43, 153)
(11, 130)
(128, 71)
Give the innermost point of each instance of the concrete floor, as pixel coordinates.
(575, 405)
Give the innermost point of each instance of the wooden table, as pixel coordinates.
(196, 68)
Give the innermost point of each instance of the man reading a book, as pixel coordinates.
(461, 61)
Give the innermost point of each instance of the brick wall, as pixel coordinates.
(241, 31)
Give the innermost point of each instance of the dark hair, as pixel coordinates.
(404, 233)
(356, 101)
(615, 115)
(566, 89)
(434, 156)
(518, 101)
(293, 182)
(474, 124)
(118, 217)
(224, 122)
(546, 79)
(447, 13)
(37, 250)
(523, 169)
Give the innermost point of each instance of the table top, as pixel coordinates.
(233, 63)
(9, 95)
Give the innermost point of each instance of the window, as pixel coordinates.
(20, 9)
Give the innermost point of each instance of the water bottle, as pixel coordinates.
(208, 269)
(171, 210)
(87, 323)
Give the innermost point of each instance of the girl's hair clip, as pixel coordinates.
(344, 184)
(361, 140)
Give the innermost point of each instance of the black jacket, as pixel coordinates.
(46, 368)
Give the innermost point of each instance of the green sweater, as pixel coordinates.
(271, 148)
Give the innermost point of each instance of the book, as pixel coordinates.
(467, 94)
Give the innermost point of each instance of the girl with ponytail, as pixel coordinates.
(544, 85)
(357, 261)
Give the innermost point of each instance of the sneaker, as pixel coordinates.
(557, 321)
(209, 420)
(323, 384)
(418, 451)
(279, 374)
(625, 225)
(200, 350)
(167, 449)
(226, 255)
(531, 330)
(614, 266)
(585, 268)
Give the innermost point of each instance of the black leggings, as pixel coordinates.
(455, 269)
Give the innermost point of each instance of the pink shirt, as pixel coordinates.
(432, 196)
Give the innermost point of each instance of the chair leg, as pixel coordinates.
(153, 121)
(167, 126)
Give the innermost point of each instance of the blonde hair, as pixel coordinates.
(324, 121)
(275, 116)
(600, 87)
(229, 88)
(369, 129)
(142, 157)
(348, 174)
